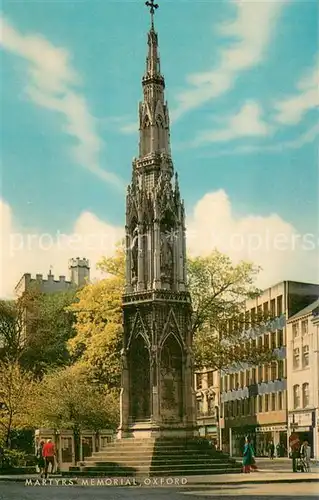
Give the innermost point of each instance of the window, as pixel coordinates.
(259, 313)
(266, 402)
(266, 373)
(266, 341)
(295, 330)
(305, 395)
(305, 356)
(266, 309)
(260, 374)
(253, 317)
(279, 400)
(260, 343)
(210, 379)
(273, 340)
(231, 382)
(273, 401)
(247, 383)
(273, 370)
(242, 379)
(236, 381)
(226, 383)
(304, 327)
(279, 305)
(280, 369)
(296, 394)
(198, 380)
(273, 308)
(260, 403)
(296, 358)
(253, 405)
(253, 376)
(280, 339)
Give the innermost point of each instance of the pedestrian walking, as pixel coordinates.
(305, 454)
(248, 456)
(48, 452)
(271, 450)
(40, 458)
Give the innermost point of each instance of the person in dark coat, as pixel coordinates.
(248, 456)
(40, 458)
(271, 450)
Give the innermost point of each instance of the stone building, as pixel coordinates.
(157, 396)
(303, 375)
(254, 400)
(207, 384)
(79, 275)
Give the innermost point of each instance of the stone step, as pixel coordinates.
(169, 473)
(116, 458)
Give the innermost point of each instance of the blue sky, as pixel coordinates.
(241, 87)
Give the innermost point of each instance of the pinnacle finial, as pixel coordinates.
(153, 6)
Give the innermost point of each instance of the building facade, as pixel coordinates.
(157, 396)
(253, 400)
(207, 384)
(79, 275)
(303, 375)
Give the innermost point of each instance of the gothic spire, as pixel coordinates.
(153, 111)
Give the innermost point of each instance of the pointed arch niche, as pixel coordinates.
(139, 359)
(146, 136)
(171, 380)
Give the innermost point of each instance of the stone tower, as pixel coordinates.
(79, 271)
(157, 396)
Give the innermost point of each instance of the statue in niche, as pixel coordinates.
(166, 256)
(134, 252)
(171, 382)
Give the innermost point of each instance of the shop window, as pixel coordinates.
(279, 305)
(304, 327)
(266, 402)
(305, 395)
(273, 401)
(296, 395)
(296, 358)
(305, 356)
(295, 330)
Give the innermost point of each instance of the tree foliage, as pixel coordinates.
(17, 390)
(66, 398)
(98, 312)
(219, 291)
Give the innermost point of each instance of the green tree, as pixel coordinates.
(17, 391)
(98, 312)
(49, 328)
(219, 291)
(68, 398)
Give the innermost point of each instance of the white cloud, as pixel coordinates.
(250, 31)
(35, 252)
(306, 138)
(247, 122)
(51, 82)
(291, 110)
(268, 241)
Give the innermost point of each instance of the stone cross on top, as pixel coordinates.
(153, 6)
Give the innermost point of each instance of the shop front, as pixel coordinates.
(266, 434)
(303, 423)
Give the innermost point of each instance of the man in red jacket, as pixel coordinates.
(48, 453)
